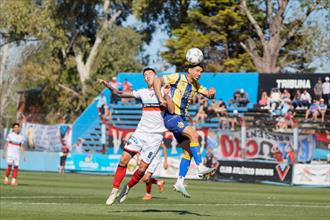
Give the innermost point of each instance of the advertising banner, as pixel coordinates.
(259, 144)
(92, 162)
(46, 137)
(254, 171)
(292, 82)
(311, 174)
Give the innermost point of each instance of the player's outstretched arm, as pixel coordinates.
(209, 93)
(116, 91)
(157, 85)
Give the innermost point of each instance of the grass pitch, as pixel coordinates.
(76, 196)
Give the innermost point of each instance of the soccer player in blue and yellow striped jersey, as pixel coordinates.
(183, 88)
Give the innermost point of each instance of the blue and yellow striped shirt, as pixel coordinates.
(182, 91)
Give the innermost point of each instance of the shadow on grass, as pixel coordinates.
(179, 212)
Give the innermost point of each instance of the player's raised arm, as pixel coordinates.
(167, 97)
(158, 81)
(209, 93)
(116, 91)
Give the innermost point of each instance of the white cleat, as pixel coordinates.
(112, 197)
(202, 170)
(123, 194)
(181, 189)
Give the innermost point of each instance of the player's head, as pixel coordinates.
(16, 127)
(195, 71)
(149, 75)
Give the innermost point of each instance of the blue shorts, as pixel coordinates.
(176, 124)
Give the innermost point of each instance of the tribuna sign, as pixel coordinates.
(293, 83)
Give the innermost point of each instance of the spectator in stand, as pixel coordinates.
(236, 119)
(322, 109)
(326, 91)
(234, 102)
(222, 114)
(201, 115)
(285, 95)
(313, 110)
(127, 87)
(212, 110)
(264, 101)
(210, 161)
(275, 99)
(243, 98)
(115, 84)
(306, 99)
(318, 89)
(277, 153)
(296, 102)
(79, 147)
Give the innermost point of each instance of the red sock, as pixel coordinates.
(15, 172)
(8, 170)
(119, 176)
(148, 187)
(153, 181)
(135, 179)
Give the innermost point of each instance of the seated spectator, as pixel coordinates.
(234, 102)
(283, 108)
(79, 147)
(285, 121)
(285, 95)
(201, 115)
(275, 99)
(306, 99)
(322, 109)
(264, 101)
(236, 119)
(313, 110)
(210, 161)
(212, 109)
(318, 89)
(243, 99)
(296, 102)
(127, 87)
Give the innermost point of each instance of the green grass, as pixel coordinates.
(75, 196)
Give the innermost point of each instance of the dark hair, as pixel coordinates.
(15, 124)
(149, 68)
(194, 65)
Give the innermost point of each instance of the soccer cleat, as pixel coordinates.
(112, 197)
(147, 196)
(202, 170)
(181, 189)
(6, 181)
(161, 185)
(123, 194)
(13, 182)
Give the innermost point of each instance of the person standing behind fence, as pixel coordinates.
(63, 155)
(116, 85)
(127, 87)
(326, 91)
(12, 147)
(318, 89)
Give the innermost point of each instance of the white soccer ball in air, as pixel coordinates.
(194, 56)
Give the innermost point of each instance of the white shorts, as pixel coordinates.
(147, 144)
(155, 162)
(13, 155)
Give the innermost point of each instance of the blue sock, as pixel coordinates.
(184, 166)
(195, 151)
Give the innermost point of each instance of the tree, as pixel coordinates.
(216, 27)
(277, 32)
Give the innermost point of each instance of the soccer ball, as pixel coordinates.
(194, 56)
